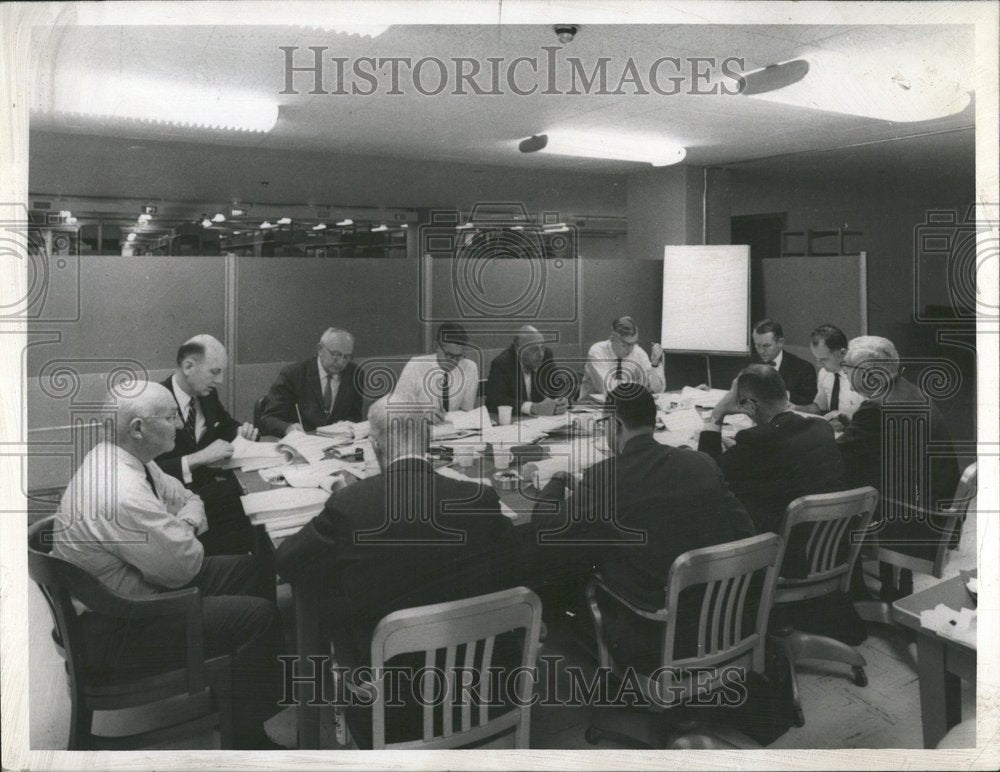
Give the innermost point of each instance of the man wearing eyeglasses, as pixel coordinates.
(524, 377)
(443, 381)
(318, 391)
(620, 360)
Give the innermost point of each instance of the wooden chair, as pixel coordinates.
(723, 642)
(464, 632)
(60, 582)
(829, 554)
(951, 516)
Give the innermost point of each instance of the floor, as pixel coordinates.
(885, 714)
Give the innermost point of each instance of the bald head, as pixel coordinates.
(530, 347)
(335, 350)
(146, 421)
(201, 365)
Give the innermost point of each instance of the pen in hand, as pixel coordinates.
(299, 415)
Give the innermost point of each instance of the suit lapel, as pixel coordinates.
(346, 376)
(313, 386)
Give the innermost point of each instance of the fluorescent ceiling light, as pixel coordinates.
(285, 221)
(345, 223)
(146, 99)
(264, 225)
(379, 228)
(320, 227)
(130, 237)
(219, 217)
(617, 146)
(895, 84)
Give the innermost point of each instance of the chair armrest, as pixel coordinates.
(656, 616)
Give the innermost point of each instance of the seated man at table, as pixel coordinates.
(799, 376)
(836, 400)
(620, 360)
(318, 391)
(442, 381)
(205, 441)
(135, 529)
(525, 378)
(884, 447)
(783, 456)
(636, 512)
(407, 537)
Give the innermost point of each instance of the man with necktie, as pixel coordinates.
(799, 376)
(619, 360)
(524, 377)
(442, 381)
(320, 390)
(134, 528)
(204, 441)
(835, 398)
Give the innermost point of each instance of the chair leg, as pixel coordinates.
(223, 694)
(809, 646)
(786, 655)
(80, 723)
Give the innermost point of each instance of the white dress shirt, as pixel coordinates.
(421, 383)
(113, 526)
(848, 400)
(636, 368)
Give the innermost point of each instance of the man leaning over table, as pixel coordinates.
(318, 391)
(835, 400)
(523, 376)
(620, 359)
(205, 440)
(443, 381)
(135, 529)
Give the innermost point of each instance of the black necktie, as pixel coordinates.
(618, 369)
(149, 479)
(444, 392)
(327, 395)
(189, 421)
(773, 363)
(835, 394)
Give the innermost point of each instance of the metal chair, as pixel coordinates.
(723, 643)
(950, 519)
(61, 582)
(828, 555)
(464, 632)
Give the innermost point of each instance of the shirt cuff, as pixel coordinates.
(186, 470)
(526, 408)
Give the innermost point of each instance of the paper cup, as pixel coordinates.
(504, 414)
(501, 457)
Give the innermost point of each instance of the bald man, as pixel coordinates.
(135, 529)
(523, 376)
(204, 440)
(318, 391)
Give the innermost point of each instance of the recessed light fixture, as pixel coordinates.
(206, 223)
(219, 217)
(345, 223)
(617, 146)
(320, 227)
(285, 221)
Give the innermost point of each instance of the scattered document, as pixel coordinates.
(348, 431)
(253, 455)
(701, 397)
(685, 421)
(313, 475)
(476, 420)
(958, 625)
(309, 447)
(283, 503)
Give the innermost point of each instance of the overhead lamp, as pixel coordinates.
(130, 237)
(71, 220)
(110, 95)
(900, 83)
(320, 227)
(65, 214)
(206, 223)
(265, 225)
(285, 221)
(616, 146)
(145, 218)
(345, 223)
(219, 217)
(379, 228)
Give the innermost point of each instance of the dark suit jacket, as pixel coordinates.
(773, 464)
(299, 384)
(219, 425)
(505, 385)
(885, 447)
(406, 564)
(799, 377)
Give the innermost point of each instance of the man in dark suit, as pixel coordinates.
(799, 376)
(524, 377)
(318, 391)
(638, 511)
(205, 440)
(888, 446)
(784, 456)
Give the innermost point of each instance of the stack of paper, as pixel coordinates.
(512, 434)
(311, 448)
(284, 507)
(701, 397)
(345, 430)
(254, 455)
(313, 475)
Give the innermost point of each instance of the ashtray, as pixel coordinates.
(506, 480)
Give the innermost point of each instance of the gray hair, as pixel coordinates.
(875, 350)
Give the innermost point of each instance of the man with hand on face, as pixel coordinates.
(204, 441)
(619, 360)
(320, 390)
(443, 381)
(836, 400)
(799, 376)
(522, 376)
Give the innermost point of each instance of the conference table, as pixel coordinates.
(582, 443)
(941, 661)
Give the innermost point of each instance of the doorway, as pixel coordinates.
(763, 233)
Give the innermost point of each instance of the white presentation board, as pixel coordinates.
(706, 299)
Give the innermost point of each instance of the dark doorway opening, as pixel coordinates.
(763, 233)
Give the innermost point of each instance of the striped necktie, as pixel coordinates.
(189, 421)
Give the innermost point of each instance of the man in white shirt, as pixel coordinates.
(835, 399)
(619, 360)
(135, 529)
(443, 381)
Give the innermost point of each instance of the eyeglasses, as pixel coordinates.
(174, 416)
(336, 356)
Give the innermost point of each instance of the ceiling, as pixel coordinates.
(484, 129)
